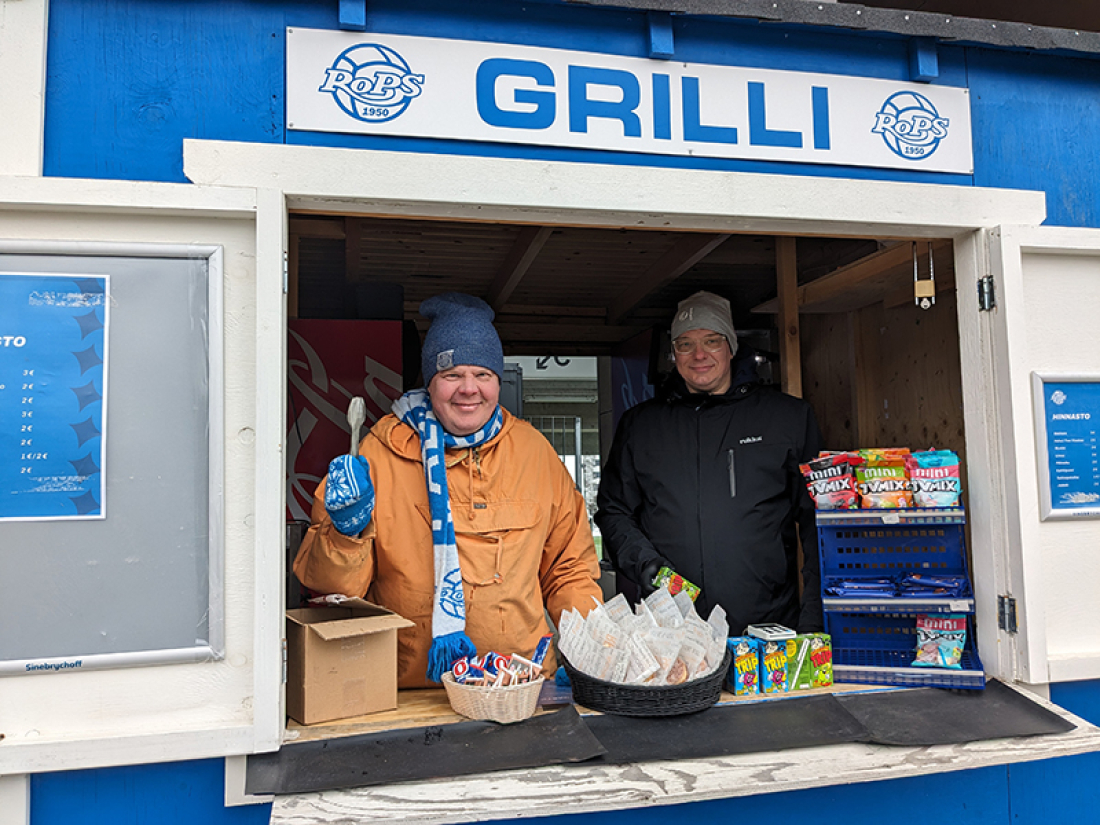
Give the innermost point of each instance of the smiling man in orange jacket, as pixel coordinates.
(478, 548)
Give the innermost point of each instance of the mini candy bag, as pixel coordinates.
(831, 480)
(940, 641)
(935, 479)
(883, 480)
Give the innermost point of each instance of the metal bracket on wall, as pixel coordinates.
(353, 15)
(987, 299)
(1006, 613)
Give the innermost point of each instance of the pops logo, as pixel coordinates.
(372, 82)
(910, 125)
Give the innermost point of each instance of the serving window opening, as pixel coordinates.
(864, 328)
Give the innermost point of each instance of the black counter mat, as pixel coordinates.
(931, 716)
(422, 753)
(801, 722)
(909, 717)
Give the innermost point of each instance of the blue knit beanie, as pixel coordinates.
(461, 334)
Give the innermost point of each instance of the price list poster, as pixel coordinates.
(1072, 412)
(53, 385)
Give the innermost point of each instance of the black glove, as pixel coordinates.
(648, 574)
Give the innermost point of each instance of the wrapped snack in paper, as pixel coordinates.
(664, 609)
(665, 643)
(698, 633)
(883, 480)
(934, 476)
(744, 672)
(719, 624)
(668, 579)
(604, 631)
(693, 653)
(645, 617)
(809, 661)
(611, 664)
(617, 608)
(686, 604)
(643, 664)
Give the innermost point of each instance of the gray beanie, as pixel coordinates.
(461, 334)
(705, 310)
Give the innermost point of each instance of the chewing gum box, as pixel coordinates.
(809, 661)
(773, 667)
(744, 673)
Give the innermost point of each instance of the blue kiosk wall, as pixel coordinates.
(129, 80)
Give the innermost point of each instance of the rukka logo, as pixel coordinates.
(910, 125)
(372, 83)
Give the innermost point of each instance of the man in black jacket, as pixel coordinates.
(704, 479)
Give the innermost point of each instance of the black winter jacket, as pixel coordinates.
(710, 485)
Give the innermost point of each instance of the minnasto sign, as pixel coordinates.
(459, 89)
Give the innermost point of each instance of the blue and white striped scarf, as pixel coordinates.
(449, 639)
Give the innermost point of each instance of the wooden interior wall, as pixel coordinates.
(828, 377)
(886, 376)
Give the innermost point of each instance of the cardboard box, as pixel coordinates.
(341, 661)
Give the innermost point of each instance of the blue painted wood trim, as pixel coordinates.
(353, 15)
(184, 793)
(171, 793)
(662, 45)
(924, 60)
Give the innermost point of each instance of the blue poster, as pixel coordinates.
(53, 383)
(1072, 420)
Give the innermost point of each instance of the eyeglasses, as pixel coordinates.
(712, 343)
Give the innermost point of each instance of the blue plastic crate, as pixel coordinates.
(879, 649)
(849, 551)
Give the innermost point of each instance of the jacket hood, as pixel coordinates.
(404, 440)
(742, 370)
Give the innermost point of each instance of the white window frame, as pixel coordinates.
(400, 184)
(175, 711)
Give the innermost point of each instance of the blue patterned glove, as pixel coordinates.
(349, 494)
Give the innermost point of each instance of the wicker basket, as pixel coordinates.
(639, 700)
(495, 704)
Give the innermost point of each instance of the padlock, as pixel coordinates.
(924, 290)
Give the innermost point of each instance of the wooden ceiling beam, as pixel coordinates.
(862, 282)
(681, 256)
(333, 230)
(529, 242)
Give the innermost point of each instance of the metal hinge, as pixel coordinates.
(286, 273)
(986, 298)
(1006, 613)
(284, 661)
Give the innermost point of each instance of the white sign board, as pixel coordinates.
(382, 84)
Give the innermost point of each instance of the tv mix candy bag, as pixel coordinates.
(831, 480)
(934, 476)
(883, 480)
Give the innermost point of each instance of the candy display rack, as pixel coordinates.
(874, 638)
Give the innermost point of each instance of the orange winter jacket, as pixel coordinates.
(524, 542)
